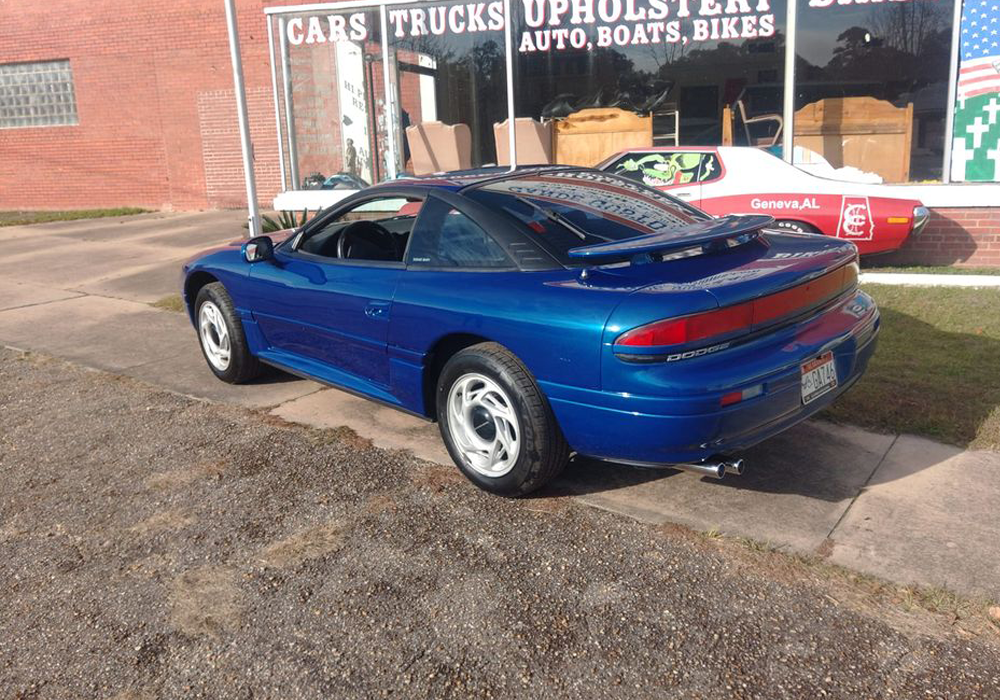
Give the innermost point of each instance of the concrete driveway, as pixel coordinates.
(900, 507)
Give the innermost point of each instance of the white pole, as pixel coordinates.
(949, 119)
(277, 105)
(286, 80)
(508, 34)
(241, 103)
(788, 115)
(390, 96)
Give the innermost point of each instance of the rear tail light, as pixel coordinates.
(745, 317)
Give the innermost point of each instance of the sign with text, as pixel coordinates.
(556, 25)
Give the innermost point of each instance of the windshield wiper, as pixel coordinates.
(557, 217)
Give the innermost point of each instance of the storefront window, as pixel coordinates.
(332, 98)
(670, 72)
(450, 82)
(872, 85)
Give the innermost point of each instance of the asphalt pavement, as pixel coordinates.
(157, 546)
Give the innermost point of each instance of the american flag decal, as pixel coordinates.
(976, 142)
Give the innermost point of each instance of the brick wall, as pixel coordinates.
(157, 117)
(954, 236)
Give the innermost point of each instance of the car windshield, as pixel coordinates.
(572, 208)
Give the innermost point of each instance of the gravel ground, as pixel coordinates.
(156, 546)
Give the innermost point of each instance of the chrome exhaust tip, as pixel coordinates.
(715, 468)
(734, 466)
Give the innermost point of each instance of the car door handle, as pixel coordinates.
(683, 195)
(377, 309)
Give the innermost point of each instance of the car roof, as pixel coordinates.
(458, 180)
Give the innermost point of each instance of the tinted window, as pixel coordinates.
(445, 237)
(565, 210)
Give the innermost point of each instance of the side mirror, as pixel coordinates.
(258, 249)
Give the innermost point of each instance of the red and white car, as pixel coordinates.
(738, 180)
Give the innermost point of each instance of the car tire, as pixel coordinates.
(496, 423)
(794, 226)
(221, 336)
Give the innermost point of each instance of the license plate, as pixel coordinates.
(818, 377)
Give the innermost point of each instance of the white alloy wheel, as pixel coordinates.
(484, 425)
(214, 335)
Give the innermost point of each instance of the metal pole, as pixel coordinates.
(949, 119)
(241, 103)
(508, 34)
(277, 105)
(286, 79)
(788, 115)
(390, 102)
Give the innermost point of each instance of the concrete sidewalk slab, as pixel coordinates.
(108, 334)
(67, 266)
(385, 427)
(117, 229)
(147, 284)
(15, 294)
(931, 515)
(186, 373)
(796, 487)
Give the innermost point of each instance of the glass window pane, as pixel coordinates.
(662, 74)
(872, 79)
(335, 96)
(445, 237)
(450, 81)
(37, 94)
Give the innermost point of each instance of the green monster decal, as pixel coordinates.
(668, 168)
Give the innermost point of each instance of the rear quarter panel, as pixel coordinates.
(549, 320)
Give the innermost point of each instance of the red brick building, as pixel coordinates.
(153, 87)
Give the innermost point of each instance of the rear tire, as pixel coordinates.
(496, 423)
(795, 226)
(220, 333)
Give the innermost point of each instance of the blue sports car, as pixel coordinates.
(543, 312)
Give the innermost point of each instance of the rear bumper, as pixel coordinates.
(689, 426)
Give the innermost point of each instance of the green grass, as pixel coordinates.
(936, 270)
(170, 303)
(936, 372)
(21, 218)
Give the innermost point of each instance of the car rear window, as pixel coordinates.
(569, 209)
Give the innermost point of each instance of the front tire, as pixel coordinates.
(220, 333)
(496, 423)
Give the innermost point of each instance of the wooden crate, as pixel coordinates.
(589, 136)
(863, 132)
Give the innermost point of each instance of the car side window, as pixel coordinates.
(381, 227)
(710, 168)
(663, 169)
(445, 237)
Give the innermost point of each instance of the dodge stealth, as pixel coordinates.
(546, 312)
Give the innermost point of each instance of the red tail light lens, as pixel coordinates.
(746, 316)
(687, 329)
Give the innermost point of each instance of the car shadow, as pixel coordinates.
(830, 461)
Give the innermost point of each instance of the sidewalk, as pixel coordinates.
(901, 507)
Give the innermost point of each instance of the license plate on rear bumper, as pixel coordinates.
(818, 377)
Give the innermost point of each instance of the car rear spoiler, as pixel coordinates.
(701, 233)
